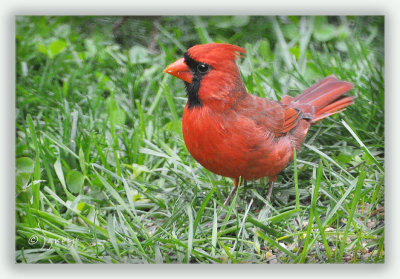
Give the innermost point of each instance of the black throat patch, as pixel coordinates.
(192, 89)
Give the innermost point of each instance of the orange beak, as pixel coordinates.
(180, 70)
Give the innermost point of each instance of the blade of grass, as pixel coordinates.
(36, 172)
(306, 246)
(74, 253)
(158, 96)
(85, 219)
(170, 102)
(228, 253)
(60, 175)
(201, 210)
(380, 248)
(338, 204)
(119, 199)
(214, 236)
(190, 232)
(323, 236)
(327, 157)
(296, 179)
(242, 225)
(366, 150)
(111, 233)
(356, 198)
(231, 207)
(282, 42)
(61, 145)
(171, 37)
(201, 30)
(266, 228)
(275, 244)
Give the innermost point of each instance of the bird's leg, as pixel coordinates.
(272, 180)
(233, 191)
(271, 186)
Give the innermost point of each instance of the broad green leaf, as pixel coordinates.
(56, 47)
(75, 181)
(41, 48)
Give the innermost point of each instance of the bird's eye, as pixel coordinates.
(202, 68)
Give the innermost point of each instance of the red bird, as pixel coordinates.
(236, 134)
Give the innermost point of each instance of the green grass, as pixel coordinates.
(103, 175)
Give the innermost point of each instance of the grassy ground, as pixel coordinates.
(102, 172)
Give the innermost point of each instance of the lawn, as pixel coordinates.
(103, 174)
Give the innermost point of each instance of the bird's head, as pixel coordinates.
(209, 72)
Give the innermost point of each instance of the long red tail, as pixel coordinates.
(322, 99)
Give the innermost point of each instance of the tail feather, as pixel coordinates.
(323, 98)
(325, 94)
(333, 108)
(311, 89)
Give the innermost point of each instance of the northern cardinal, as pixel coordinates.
(236, 134)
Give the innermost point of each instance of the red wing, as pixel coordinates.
(273, 116)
